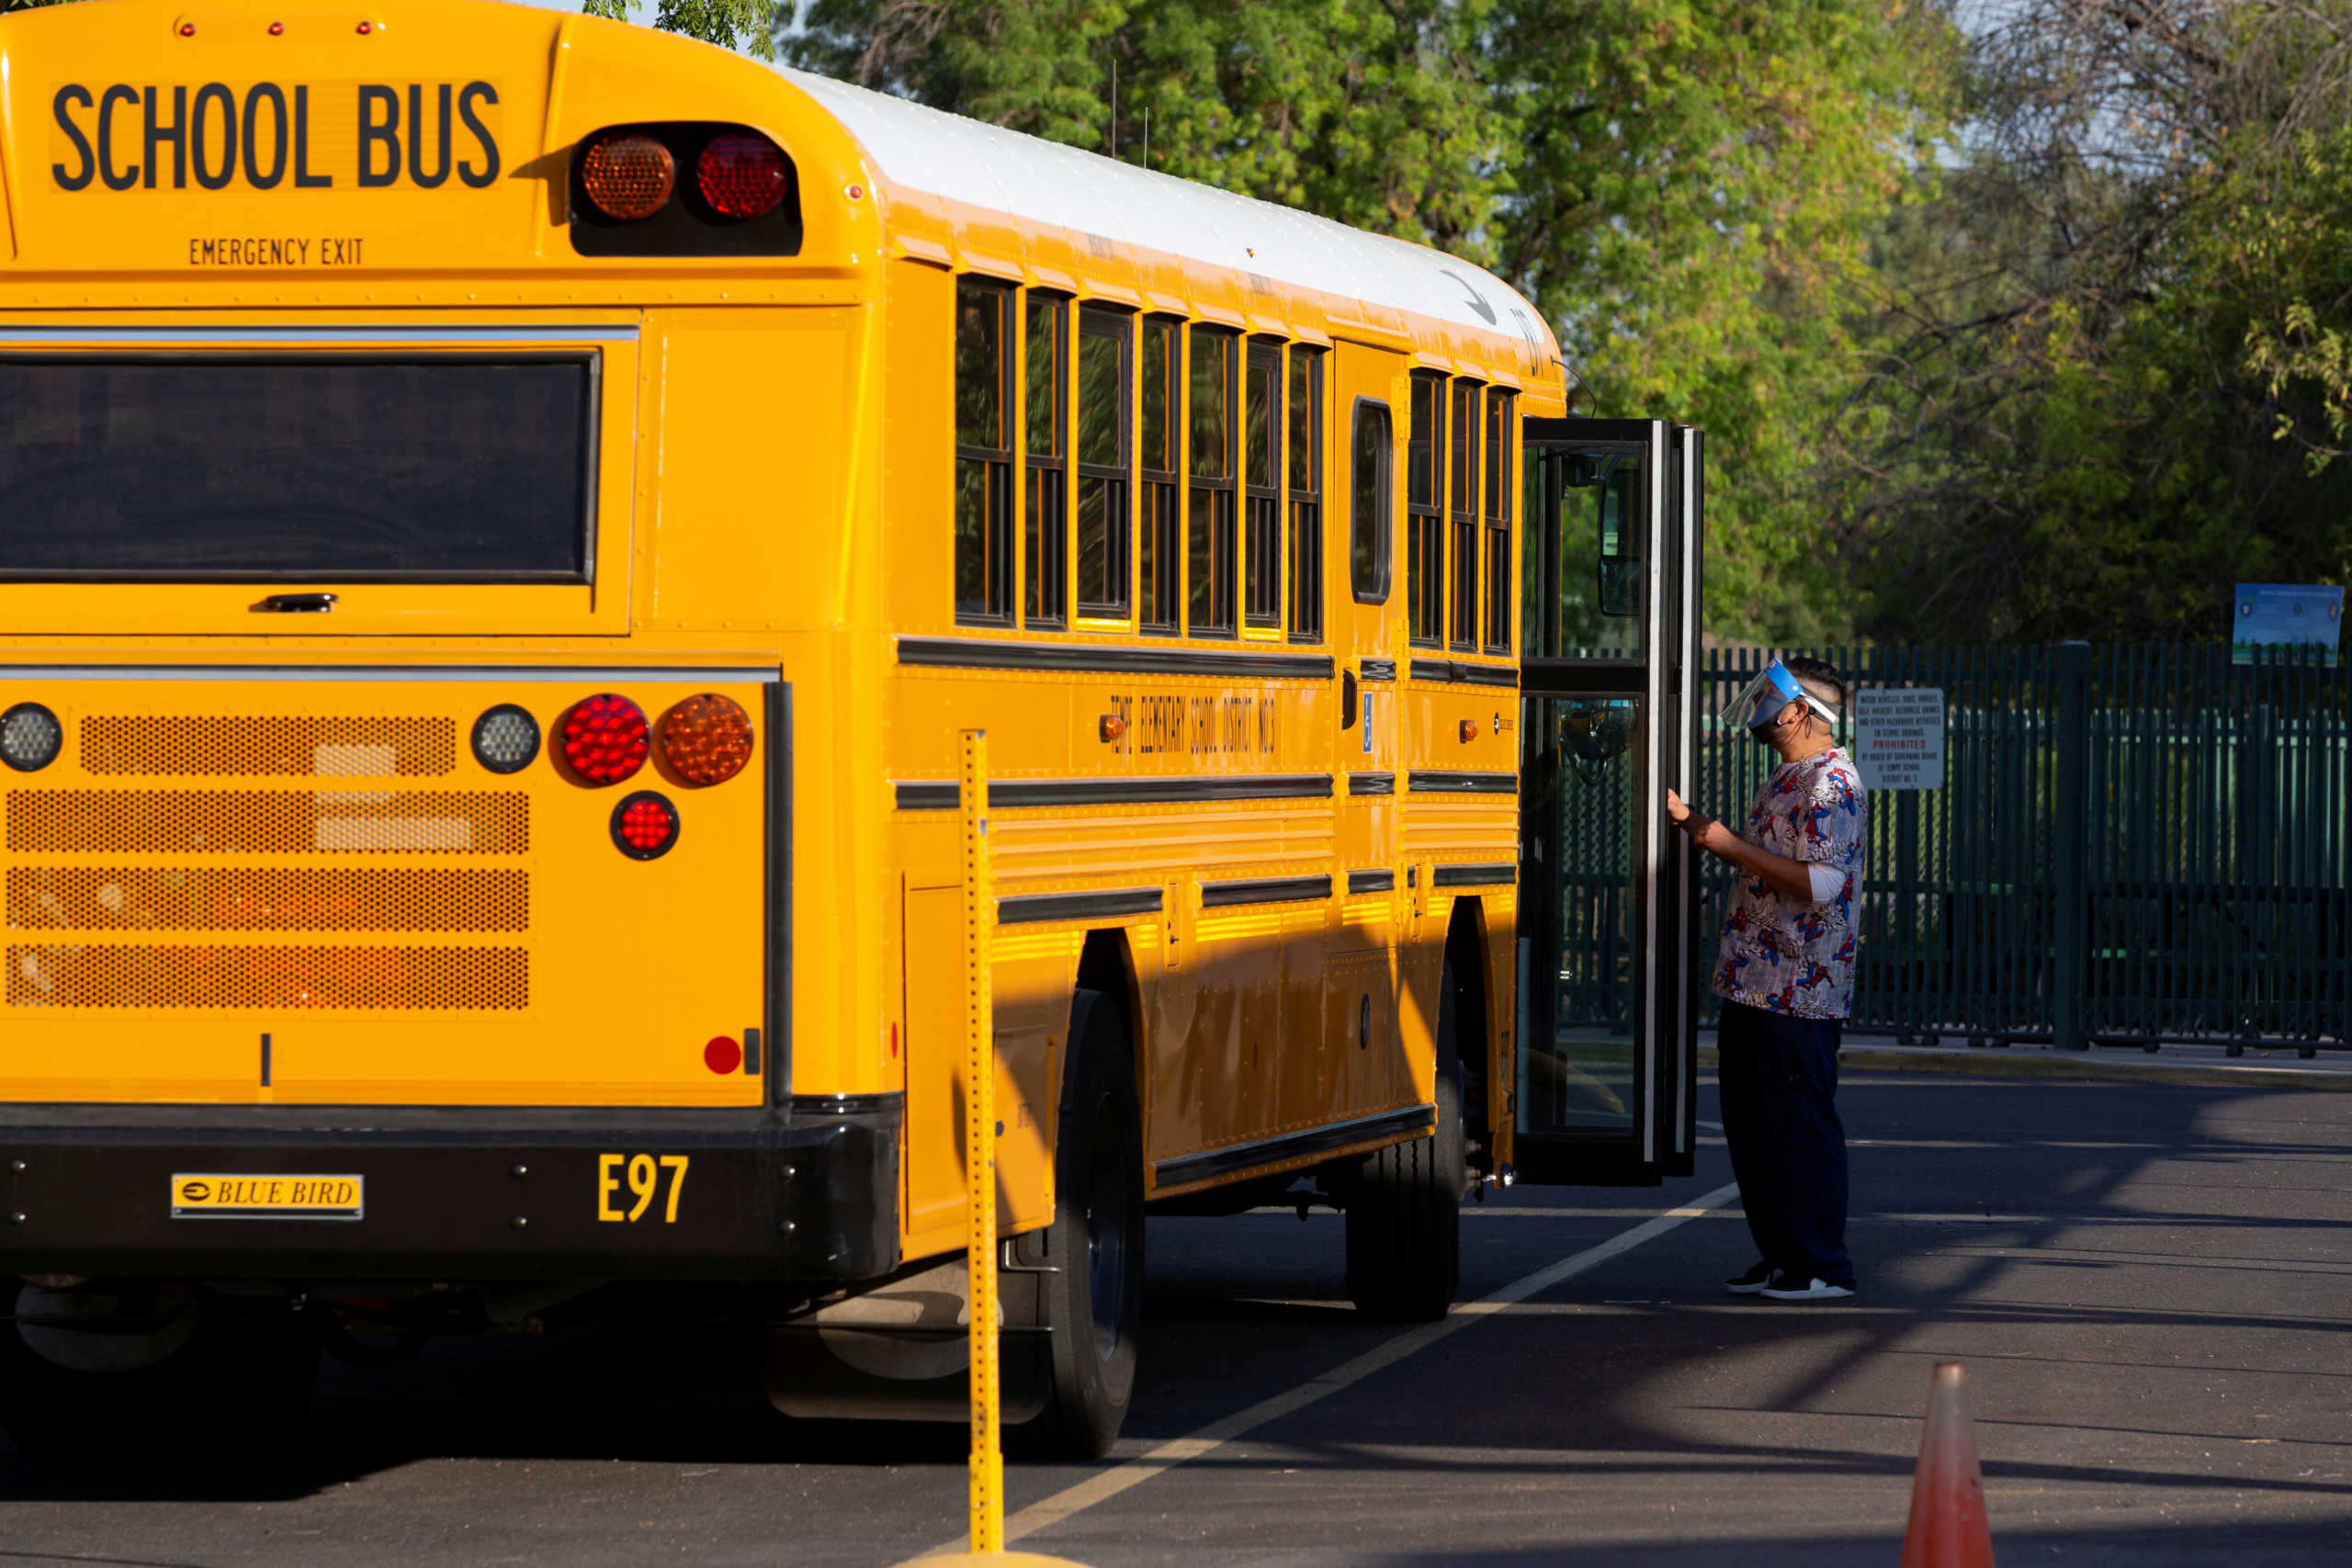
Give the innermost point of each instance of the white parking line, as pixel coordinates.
(1101, 1488)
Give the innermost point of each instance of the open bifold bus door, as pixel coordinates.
(1607, 1060)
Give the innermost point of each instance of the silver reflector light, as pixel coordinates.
(30, 738)
(507, 738)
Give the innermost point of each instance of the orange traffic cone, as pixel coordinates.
(1948, 1526)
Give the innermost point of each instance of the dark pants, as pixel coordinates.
(1788, 1148)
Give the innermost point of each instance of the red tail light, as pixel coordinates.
(645, 826)
(742, 175)
(606, 738)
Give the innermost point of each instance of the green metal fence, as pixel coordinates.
(2132, 845)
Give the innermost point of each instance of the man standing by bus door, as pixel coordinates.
(1784, 969)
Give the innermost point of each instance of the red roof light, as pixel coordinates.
(742, 175)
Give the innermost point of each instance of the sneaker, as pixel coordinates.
(1759, 1275)
(1784, 1287)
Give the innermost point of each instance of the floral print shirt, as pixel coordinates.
(1780, 953)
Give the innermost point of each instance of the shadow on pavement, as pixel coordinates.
(1975, 1199)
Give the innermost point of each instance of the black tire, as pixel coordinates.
(162, 1374)
(1092, 1301)
(1405, 1206)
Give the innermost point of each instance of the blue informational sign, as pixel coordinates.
(2273, 612)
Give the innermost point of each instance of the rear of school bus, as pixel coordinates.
(429, 439)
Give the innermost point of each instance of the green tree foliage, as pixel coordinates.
(2112, 369)
(1699, 184)
(1686, 187)
(747, 25)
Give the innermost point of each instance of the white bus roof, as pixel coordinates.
(929, 151)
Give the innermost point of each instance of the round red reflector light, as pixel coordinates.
(604, 739)
(722, 1054)
(707, 739)
(627, 175)
(742, 175)
(645, 826)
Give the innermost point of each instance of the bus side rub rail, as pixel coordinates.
(988, 653)
(1475, 875)
(585, 674)
(1449, 781)
(1027, 909)
(1454, 672)
(939, 794)
(1290, 1146)
(1263, 891)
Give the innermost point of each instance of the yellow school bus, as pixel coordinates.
(503, 517)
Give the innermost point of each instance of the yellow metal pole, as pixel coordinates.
(979, 1145)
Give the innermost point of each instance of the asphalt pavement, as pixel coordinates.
(2150, 1284)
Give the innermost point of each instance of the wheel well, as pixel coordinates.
(1465, 960)
(1103, 965)
(1465, 955)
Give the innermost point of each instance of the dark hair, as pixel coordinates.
(1821, 678)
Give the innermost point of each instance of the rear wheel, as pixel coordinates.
(1405, 1205)
(1092, 1294)
(146, 1371)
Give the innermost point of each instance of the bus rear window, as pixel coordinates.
(418, 469)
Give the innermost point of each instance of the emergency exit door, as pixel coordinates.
(1606, 1064)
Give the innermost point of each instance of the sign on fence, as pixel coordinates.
(2275, 613)
(1899, 736)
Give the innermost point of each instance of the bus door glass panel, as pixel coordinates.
(1602, 1077)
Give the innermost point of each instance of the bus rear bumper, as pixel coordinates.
(806, 1192)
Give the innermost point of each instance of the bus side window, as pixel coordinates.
(1424, 518)
(1159, 578)
(1209, 548)
(983, 451)
(1262, 480)
(1500, 425)
(1105, 435)
(1369, 444)
(1046, 350)
(1463, 494)
(1305, 453)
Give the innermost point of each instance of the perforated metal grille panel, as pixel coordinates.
(368, 978)
(168, 822)
(209, 747)
(267, 899)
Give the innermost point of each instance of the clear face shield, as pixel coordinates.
(1762, 700)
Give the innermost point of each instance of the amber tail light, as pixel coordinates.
(706, 738)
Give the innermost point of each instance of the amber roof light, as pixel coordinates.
(627, 175)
